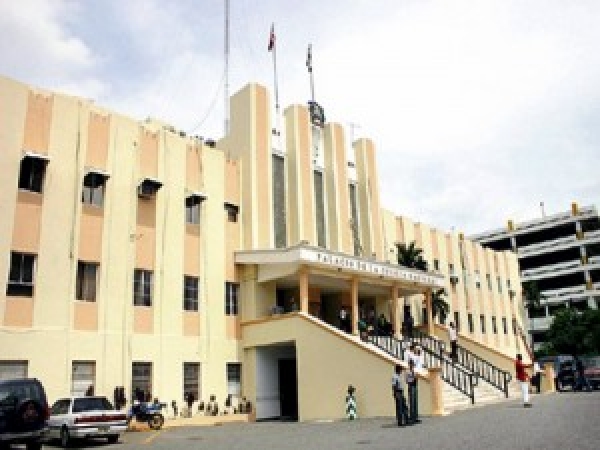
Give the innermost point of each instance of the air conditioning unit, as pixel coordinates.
(148, 188)
(453, 278)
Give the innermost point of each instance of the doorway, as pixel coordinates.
(288, 389)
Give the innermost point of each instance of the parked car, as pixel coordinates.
(23, 413)
(85, 417)
(591, 370)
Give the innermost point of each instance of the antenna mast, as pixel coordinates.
(226, 94)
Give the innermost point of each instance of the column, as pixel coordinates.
(396, 318)
(354, 297)
(303, 279)
(437, 387)
(428, 303)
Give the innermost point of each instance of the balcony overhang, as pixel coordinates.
(278, 263)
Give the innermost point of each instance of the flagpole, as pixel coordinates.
(226, 90)
(310, 71)
(275, 81)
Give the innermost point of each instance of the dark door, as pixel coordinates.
(288, 389)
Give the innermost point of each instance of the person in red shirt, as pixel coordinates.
(522, 377)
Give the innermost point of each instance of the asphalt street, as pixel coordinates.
(556, 421)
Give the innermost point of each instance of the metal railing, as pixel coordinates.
(455, 375)
(484, 369)
(424, 340)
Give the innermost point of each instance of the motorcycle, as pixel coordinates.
(150, 413)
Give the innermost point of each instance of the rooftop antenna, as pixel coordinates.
(310, 72)
(273, 49)
(226, 94)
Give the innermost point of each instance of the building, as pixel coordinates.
(561, 253)
(135, 256)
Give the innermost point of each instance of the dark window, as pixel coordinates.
(494, 327)
(354, 224)
(190, 293)
(514, 326)
(320, 207)
(234, 379)
(192, 210)
(504, 325)
(231, 298)
(457, 320)
(60, 407)
(93, 189)
(142, 287)
(141, 379)
(232, 212)
(31, 176)
(279, 211)
(191, 379)
(436, 264)
(499, 284)
(91, 404)
(20, 277)
(489, 281)
(482, 323)
(86, 281)
(470, 320)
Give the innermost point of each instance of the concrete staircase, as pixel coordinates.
(485, 394)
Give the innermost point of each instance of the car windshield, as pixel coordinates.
(91, 404)
(592, 361)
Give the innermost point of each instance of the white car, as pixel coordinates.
(85, 417)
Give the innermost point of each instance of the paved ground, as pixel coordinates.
(558, 421)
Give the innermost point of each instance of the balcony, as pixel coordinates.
(551, 270)
(548, 246)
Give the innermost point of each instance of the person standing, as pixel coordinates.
(411, 385)
(399, 399)
(453, 337)
(344, 319)
(536, 380)
(522, 378)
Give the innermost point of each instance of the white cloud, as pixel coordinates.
(479, 110)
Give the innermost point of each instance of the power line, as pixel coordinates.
(210, 107)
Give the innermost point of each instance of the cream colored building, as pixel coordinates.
(137, 256)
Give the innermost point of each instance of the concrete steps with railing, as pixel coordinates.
(485, 394)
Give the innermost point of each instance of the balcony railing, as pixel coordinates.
(553, 268)
(547, 245)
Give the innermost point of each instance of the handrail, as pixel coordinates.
(494, 375)
(424, 340)
(455, 375)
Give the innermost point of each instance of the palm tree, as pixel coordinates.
(411, 256)
(532, 300)
(438, 304)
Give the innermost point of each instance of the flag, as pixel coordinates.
(272, 38)
(309, 58)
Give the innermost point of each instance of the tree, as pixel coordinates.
(574, 333)
(411, 256)
(438, 304)
(532, 299)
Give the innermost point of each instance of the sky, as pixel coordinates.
(480, 111)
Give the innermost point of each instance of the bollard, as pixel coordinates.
(351, 403)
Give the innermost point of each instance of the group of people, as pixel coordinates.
(368, 323)
(406, 411)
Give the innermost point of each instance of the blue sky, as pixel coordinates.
(480, 110)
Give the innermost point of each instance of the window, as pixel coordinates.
(508, 283)
(231, 298)
(354, 223)
(470, 320)
(83, 376)
(232, 212)
(488, 278)
(31, 175)
(20, 277)
(191, 379)
(86, 281)
(141, 380)
(93, 189)
(190, 293)
(457, 320)
(234, 379)
(61, 407)
(436, 265)
(10, 369)
(494, 327)
(482, 323)
(279, 203)
(514, 326)
(477, 280)
(499, 280)
(450, 268)
(320, 207)
(504, 325)
(192, 209)
(142, 287)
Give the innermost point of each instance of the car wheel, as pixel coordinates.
(113, 439)
(65, 439)
(156, 421)
(34, 446)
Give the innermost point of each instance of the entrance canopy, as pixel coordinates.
(279, 264)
